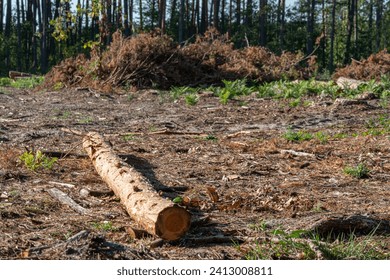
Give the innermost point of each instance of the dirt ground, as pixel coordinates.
(230, 160)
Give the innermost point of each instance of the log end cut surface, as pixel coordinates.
(173, 223)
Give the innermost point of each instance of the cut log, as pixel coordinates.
(344, 83)
(16, 75)
(157, 215)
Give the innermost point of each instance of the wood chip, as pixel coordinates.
(298, 154)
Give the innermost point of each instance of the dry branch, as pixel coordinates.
(156, 215)
(298, 154)
(65, 199)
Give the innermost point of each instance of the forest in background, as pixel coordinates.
(37, 34)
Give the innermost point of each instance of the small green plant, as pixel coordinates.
(27, 83)
(232, 89)
(105, 226)
(58, 86)
(177, 92)
(295, 103)
(22, 83)
(64, 115)
(261, 226)
(86, 120)
(37, 160)
(346, 247)
(340, 135)
(210, 138)
(359, 171)
(297, 136)
(128, 137)
(322, 137)
(191, 99)
(288, 246)
(177, 200)
(299, 244)
(5, 82)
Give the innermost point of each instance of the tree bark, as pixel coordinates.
(351, 12)
(7, 33)
(263, 23)
(155, 214)
(332, 37)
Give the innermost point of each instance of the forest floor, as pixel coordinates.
(237, 164)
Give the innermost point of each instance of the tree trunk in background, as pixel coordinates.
(79, 25)
(18, 50)
(34, 38)
(174, 17)
(152, 13)
(378, 24)
(238, 12)
(161, 15)
(108, 21)
(131, 9)
(126, 17)
(223, 18)
(141, 18)
(216, 14)
(332, 35)
(263, 23)
(370, 24)
(203, 19)
(181, 22)
(1, 15)
(281, 21)
(86, 14)
(351, 12)
(44, 57)
(310, 25)
(230, 17)
(249, 14)
(7, 33)
(355, 30)
(324, 33)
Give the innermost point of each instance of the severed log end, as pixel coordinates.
(157, 215)
(172, 223)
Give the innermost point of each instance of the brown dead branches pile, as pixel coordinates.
(147, 60)
(375, 66)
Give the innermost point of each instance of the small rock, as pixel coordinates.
(84, 192)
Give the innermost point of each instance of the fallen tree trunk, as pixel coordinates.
(155, 214)
(17, 75)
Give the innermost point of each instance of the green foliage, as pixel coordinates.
(37, 160)
(177, 200)
(297, 136)
(105, 226)
(128, 137)
(350, 246)
(191, 99)
(177, 92)
(359, 171)
(22, 83)
(287, 247)
(300, 244)
(210, 138)
(232, 89)
(5, 82)
(322, 137)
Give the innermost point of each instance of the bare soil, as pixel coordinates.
(229, 161)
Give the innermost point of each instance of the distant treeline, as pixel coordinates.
(37, 34)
